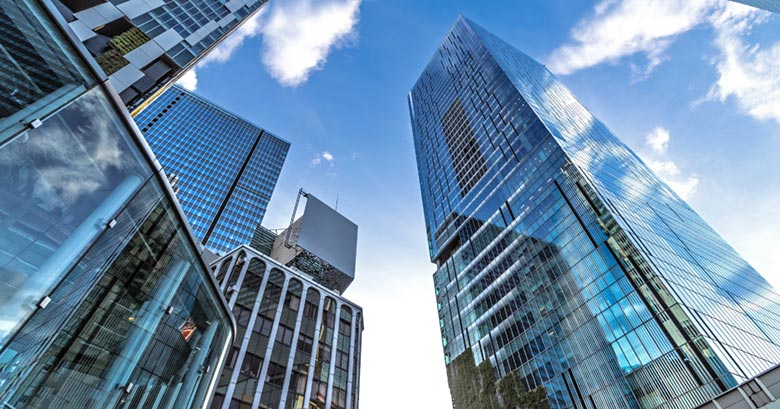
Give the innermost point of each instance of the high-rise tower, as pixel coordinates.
(226, 167)
(561, 257)
(145, 45)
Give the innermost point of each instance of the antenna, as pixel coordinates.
(292, 218)
(337, 202)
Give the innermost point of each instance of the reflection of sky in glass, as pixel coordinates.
(62, 183)
(220, 159)
(502, 299)
(152, 286)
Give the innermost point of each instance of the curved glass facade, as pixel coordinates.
(105, 300)
(561, 257)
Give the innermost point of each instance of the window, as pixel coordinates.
(275, 375)
(251, 365)
(263, 326)
(284, 335)
(310, 310)
(305, 343)
(292, 302)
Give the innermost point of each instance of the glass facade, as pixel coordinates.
(560, 256)
(105, 300)
(143, 45)
(769, 5)
(226, 167)
(298, 344)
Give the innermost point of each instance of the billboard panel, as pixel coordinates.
(328, 235)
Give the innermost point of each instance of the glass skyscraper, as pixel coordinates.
(105, 299)
(561, 257)
(145, 45)
(769, 5)
(226, 167)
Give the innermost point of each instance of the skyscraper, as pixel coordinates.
(226, 167)
(144, 45)
(105, 300)
(299, 341)
(562, 259)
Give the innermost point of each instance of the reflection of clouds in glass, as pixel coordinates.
(71, 152)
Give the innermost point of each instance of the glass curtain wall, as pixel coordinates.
(104, 301)
(39, 71)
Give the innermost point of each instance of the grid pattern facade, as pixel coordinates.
(226, 167)
(298, 343)
(142, 45)
(569, 261)
(105, 300)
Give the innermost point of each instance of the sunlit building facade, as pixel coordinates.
(145, 45)
(105, 300)
(226, 167)
(298, 342)
(561, 256)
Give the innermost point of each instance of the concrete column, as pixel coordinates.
(351, 359)
(315, 346)
(245, 342)
(293, 347)
(271, 341)
(229, 270)
(333, 355)
(240, 281)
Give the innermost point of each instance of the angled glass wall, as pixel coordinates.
(105, 300)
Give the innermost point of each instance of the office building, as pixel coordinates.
(105, 300)
(145, 45)
(226, 167)
(562, 259)
(299, 341)
(768, 5)
(263, 240)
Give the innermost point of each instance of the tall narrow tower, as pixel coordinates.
(561, 257)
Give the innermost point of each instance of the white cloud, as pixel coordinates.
(325, 155)
(658, 139)
(189, 80)
(668, 171)
(298, 35)
(747, 73)
(623, 28)
(222, 53)
(684, 185)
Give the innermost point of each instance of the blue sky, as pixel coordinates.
(693, 86)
